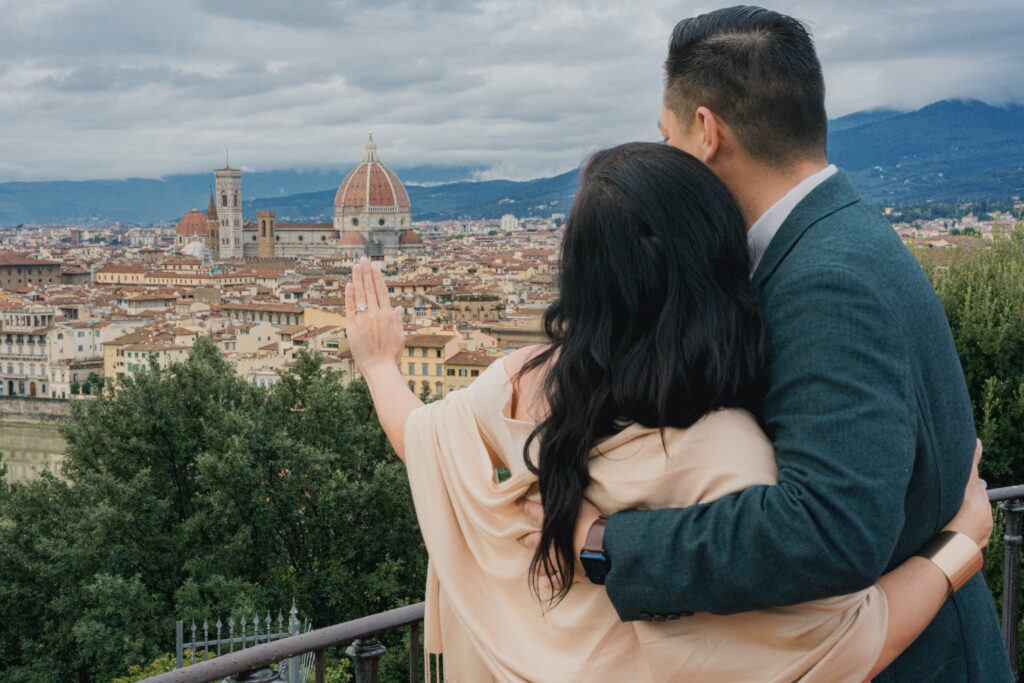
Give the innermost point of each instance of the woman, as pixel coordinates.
(643, 398)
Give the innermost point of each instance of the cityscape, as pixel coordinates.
(85, 306)
(192, 464)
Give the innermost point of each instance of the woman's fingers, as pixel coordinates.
(358, 291)
(369, 292)
(349, 302)
(382, 289)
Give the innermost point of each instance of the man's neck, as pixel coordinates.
(758, 187)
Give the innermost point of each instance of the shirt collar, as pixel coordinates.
(761, 233)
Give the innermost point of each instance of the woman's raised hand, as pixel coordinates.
(375, 333)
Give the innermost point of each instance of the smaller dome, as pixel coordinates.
(192, 223)
(351, 238)
(410, 237)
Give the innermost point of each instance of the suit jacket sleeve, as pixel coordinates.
(840, 412)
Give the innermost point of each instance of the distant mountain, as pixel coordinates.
(861, 118)
(946, 151)
(470, 200)
(955, 149)
(140, 200)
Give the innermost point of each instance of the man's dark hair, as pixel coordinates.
(758, 71)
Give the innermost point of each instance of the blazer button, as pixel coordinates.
(646, 616)
(659, 617)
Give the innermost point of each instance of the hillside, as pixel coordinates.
(950, 150)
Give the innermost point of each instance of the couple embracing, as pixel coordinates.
(745, 453)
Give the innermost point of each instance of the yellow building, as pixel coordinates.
(120, 275)
(423, 360)
(314, 316)
(465, 366)
(132, 351)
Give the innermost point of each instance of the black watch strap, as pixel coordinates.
(595, 561)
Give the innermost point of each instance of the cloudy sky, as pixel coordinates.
(118, 88)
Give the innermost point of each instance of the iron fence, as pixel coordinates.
(225, 638)
(252, 664)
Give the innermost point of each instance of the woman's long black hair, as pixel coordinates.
(656, 323)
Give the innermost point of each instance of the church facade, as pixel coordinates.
(372, 218)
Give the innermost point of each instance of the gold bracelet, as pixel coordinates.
(956, 555)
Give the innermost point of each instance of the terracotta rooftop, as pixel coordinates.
(478, 358)
(192, 223)
(428, 340)
(371, 184)
(13, 258)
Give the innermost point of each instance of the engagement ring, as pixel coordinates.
(361, 307)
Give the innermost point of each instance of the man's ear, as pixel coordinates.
(711, 131)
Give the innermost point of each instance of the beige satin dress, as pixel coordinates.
(483, 617)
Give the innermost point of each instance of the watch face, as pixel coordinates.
(595, 565)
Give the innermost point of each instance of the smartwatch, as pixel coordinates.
(595, 561)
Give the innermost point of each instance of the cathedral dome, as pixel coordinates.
(352, 239)
(371, 185)
(192, 223)
(410, 237)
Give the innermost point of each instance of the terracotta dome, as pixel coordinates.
(410, 237)
(192, 223)
(371, 184)
(351, 238)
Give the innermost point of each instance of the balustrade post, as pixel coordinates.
(262, 675)
(365, 654)
(1013, 511)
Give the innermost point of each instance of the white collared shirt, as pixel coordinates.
(761, 233)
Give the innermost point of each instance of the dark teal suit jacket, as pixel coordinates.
(871, 421)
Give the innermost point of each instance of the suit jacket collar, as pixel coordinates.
(833, 194)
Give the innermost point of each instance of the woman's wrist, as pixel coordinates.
(372, 367)
(956, 554)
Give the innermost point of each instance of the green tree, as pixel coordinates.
(982, 291)
(189, 493)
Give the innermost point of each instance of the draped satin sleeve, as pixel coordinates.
(482, 615)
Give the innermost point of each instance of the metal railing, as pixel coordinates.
(366, 650)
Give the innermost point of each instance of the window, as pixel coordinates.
(438, 389)
(423, 352)
(412, 370)
(224, 199)
(440, 371)
(437, 353)
(380, 222)
(426, 371)
(79, 347)
(451, 372)
(236, 200)
(474, 373)
(462, 372)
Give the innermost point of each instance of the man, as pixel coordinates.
(866, 405)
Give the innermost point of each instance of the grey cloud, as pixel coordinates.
(136, 87)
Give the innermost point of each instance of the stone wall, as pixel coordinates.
(33, 409)
(29, 438)
(30, 448)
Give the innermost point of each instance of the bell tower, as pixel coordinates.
(229, 211)
(212, 228)
(265, 236)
